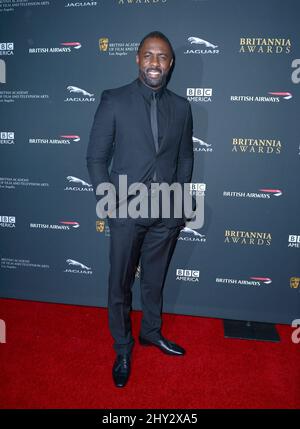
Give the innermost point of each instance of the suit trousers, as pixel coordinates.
(152, 243)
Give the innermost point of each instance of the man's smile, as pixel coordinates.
(153, 73)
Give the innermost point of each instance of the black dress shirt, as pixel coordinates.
(162, 106)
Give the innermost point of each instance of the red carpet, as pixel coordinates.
(60, 356)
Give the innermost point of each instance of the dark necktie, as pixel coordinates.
(154, 125)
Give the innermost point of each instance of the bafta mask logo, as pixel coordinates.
(295, 282)
(103, 44)
(100, 224)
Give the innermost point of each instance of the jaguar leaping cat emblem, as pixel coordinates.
(79, 91)
(202, 42)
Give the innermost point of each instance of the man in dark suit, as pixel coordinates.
(147, 131)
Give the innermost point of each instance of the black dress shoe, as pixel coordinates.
(164, 345)
(121, 370)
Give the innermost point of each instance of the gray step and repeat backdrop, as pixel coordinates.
(238, 63)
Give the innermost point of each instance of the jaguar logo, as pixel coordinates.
(201, 42)
(76, 180)
(191, 231)
(77, 264)
(79, 91)
(200, 142)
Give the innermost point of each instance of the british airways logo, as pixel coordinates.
(252, 281)
(75, 45)
(285, 95)
(64, 48)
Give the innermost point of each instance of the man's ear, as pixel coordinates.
(171, 62)
(137, 60)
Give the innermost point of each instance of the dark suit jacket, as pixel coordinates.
(122, 130)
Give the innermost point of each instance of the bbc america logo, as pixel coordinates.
(7, 137)
(187, 275)
(6, 48)
(197, 189)
(294, 241)
(197, 186)
(7, 221)
(199, 94)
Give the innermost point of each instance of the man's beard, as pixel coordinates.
(153, 82)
